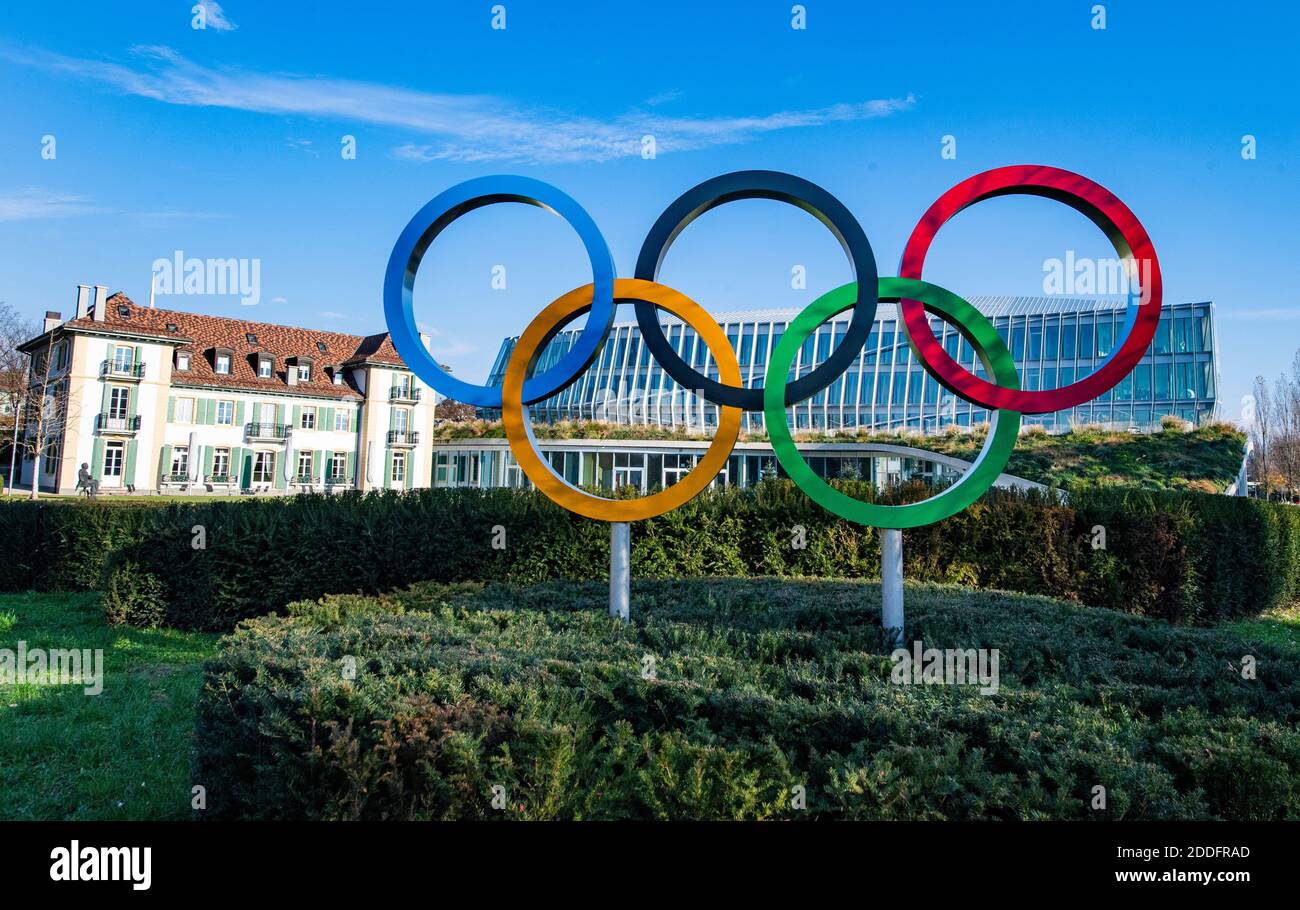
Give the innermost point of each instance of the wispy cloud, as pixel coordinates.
(458, 127)
(29, 204)
(215, 16)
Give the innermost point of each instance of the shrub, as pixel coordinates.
(1181, 556)
(133, 597)
(755, 687)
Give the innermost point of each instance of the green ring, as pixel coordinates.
(1004, 429)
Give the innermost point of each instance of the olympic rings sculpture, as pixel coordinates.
(915, 297)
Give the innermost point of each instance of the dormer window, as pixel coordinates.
(338, 376)
(320, 346)
(304, 372)
(250, 338)
(221, 363)
(183, 361)
(124, 312)
(265, 367)
(173, 327)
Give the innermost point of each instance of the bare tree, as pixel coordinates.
(1261, 435)
(14, 330)
(45, 409)
(1286, 443)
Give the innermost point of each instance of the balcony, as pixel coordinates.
(127, 426)
(112, 370)
(403, 438)
(404, 394)
(266, 432)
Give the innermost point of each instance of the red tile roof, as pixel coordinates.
(202, 335)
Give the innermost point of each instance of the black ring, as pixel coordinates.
(759, 185)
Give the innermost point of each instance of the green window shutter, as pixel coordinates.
(165, 463)
(279, 413)
(352, 467)
(388, 469)
(132, 398)
(171, 409)
(239, 413)
(103, 401)
(280, 482)
(326, 419)
(200, 411)
(297, 416)
(236, 457)
(128, 468)
(96, 459)
(248, 468)
(207, 461)
(139, 354)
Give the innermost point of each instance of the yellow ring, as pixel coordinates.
(519, 431)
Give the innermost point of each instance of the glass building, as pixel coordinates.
(1055, 342)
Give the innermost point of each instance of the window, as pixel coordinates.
(264, 368)
(401, 420)
(223, 364)
(52, 457)
(221, 463)
(123, 357)
(304, 372)
(320, 346)
(399, 467)
(304, 464)
(308, 419)
(342, 420)
(263, 467)
(119, 400)
(338, 376)
(250, 338)
(181, 461)
(113, 460)
(184, 412)
(225, 413)
(339, 465)
(183, 362)
(61, 355)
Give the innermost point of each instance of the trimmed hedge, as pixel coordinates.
(1184, 557)
(421, 704)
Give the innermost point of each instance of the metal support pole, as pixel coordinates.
(891, 582)
(620, 570)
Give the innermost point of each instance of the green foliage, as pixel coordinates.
(134, 598)
(758, 687)
(1185, 557)
(1205, 459)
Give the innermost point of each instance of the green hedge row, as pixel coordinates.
(728, 699)
(1184, 557)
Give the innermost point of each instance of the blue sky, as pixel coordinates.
(225, 142)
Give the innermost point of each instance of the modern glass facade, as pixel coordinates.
(1055, 342)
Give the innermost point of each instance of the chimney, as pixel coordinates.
(291, 371)
(83, 301)
(101, 303)
(52, 319)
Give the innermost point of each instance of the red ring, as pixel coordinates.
(1091, 199)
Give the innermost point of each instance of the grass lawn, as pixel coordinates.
(122, 754)
(1280, 627)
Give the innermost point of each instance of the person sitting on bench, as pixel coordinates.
(86, 482)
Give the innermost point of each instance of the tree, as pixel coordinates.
(1261, 435)
(14, 330)
(44, 408)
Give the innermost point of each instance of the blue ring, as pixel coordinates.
(442, 210)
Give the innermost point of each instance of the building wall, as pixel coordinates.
(163, 428)
(886, 389)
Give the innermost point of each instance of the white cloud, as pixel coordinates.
(215, 16)
(28, 204)
(461, 127)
